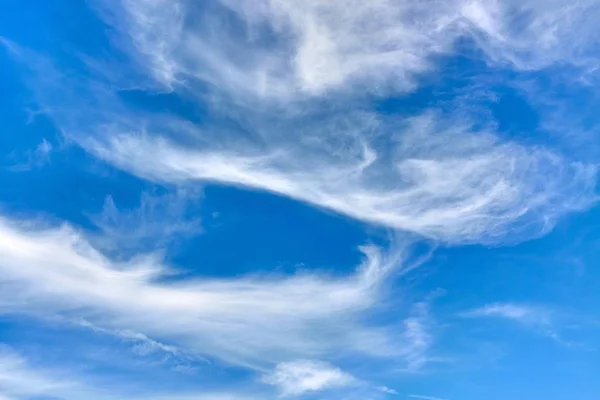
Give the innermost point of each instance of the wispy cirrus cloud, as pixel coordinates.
(439, 181)
(388, 390)
(536, 34)
(536, 318)
(20, 379)
(286, 49)
(421, 397)
(287, 88)
(447, 178)
(143, 346)
(32, 158)
(513, 311)
(418, 336)
(297, 377)
(158, 219)
(55, 271)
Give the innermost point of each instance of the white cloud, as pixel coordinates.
(418, 396)
(418, 336)
(539, 319)
(19, 381)
(517, 312)
(54, 271)
(288, 49)
(431, 175)
(313, 46)
(536, 34)
(388, 390)
(294, 378)
(158, 219)
(439, 180)
(153, 28)
(435, 175)
(143, 346)
(32, 159)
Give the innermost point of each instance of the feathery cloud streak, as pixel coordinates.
(55, 271)
(422, 176)
(287, 88)
(21, 380)
(437, 176)
(539, 319)
(285, 48)
(158, 219)
(418, 396)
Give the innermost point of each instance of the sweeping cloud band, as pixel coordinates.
(260, 199)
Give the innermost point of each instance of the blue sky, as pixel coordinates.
(279, 199)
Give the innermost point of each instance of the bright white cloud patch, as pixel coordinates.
(297, 377)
